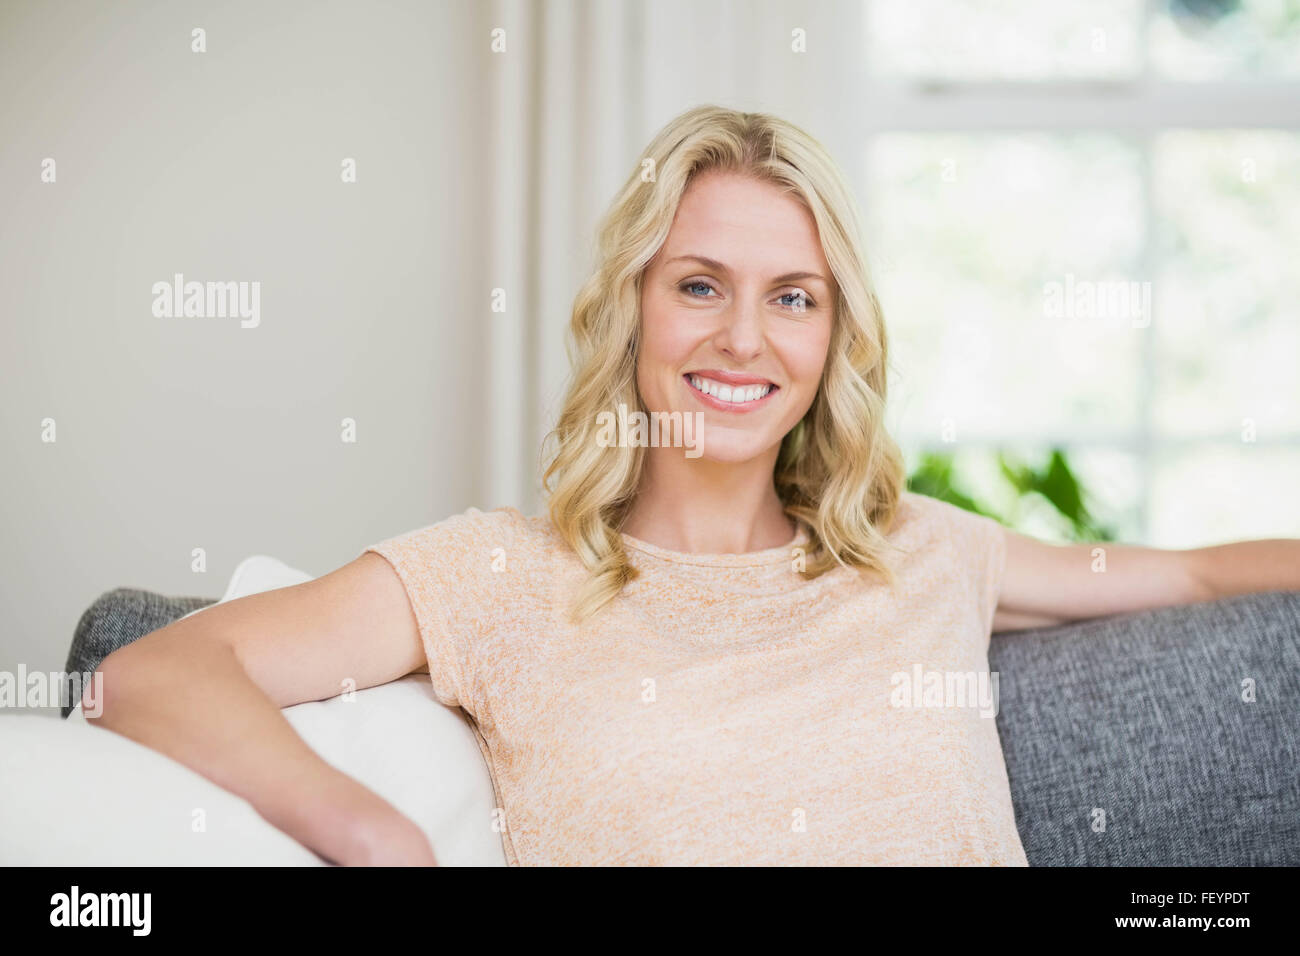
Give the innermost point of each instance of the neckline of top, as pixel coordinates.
(767, 556)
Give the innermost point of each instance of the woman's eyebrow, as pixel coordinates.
(720, 267)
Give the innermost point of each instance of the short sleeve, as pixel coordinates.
(991, 542)
(981, 546)
(448, 570)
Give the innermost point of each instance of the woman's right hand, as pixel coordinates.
(392, 841)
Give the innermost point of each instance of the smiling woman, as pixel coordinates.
(690, 658)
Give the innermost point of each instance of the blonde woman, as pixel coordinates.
(694, 656)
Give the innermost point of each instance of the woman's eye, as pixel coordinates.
(691, 287)
(798, 301)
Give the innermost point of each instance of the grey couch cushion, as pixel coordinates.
(117, 618)
(1142, 716)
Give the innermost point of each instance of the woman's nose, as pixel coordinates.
(741, 335)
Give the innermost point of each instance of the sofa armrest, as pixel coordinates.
(133, 805)
(74, 794)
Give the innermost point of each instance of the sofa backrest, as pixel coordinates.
(1165, 738)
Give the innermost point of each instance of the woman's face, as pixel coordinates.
(736, 313)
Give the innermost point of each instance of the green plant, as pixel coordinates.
(1053, 482)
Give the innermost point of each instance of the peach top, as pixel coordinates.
(722, 710)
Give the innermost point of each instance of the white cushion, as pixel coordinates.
(76, 794)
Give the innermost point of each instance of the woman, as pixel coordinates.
(704, 652)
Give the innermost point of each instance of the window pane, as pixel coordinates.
(1218, 39)
(1228, 305)
(978, 240)
(1004, 39)
(1218, 493)
(1112, 481)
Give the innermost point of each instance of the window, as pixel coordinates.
(1084, 220)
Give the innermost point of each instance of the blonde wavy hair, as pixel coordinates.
(838, 471)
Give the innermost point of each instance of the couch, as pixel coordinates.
(1169, 737)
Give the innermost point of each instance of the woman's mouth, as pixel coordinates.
(730, 396)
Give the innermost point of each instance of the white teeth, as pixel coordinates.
(735, 394)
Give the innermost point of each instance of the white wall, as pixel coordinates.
(175, 433)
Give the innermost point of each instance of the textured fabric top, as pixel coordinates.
(723, 710)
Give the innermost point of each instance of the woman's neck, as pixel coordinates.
(706, 507)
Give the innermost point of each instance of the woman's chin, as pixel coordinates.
(724, 449)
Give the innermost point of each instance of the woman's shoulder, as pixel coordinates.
(474, 569)
(473, 542)
(476, 529)
(922, 517)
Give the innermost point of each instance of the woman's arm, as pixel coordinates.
(1047, 584)
(207, 691)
